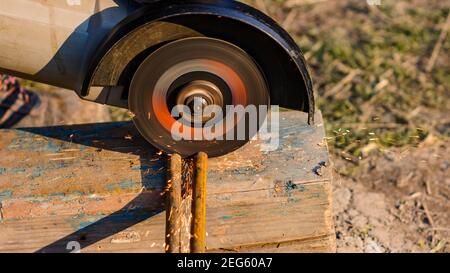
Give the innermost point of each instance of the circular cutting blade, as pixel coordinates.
(176, 64)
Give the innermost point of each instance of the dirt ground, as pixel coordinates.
(397, 202)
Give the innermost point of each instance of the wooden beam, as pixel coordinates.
(102, 185)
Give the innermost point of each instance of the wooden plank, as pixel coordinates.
(101, 185)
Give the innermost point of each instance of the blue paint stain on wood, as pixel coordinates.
(85, 224)
(82, 220)
(128, 184)
(39, 171)
(5, 195)
(226, 217)
(55, 196)
(17, 170)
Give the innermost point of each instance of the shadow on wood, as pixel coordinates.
(105, 137)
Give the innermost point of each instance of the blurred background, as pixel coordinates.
(382, 81)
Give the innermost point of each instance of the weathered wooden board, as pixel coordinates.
(101, 185)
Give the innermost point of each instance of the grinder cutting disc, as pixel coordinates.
(196, 72)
